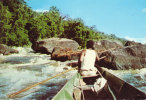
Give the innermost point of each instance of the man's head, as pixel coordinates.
(90, 44)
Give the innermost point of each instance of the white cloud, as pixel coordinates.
(144, 10)
(141, 40)
(41, 10)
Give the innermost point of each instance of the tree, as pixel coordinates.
(20, 25)
(5, 25)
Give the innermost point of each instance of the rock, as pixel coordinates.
(131, 43)
(107, 44)
(47, 45)
(131, 57)
(5, 50)
(121, 58)
(72, 64)
(64, 54)
(65, 68)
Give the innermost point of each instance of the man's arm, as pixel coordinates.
(97, 57)
(102, 57)
(81, 58)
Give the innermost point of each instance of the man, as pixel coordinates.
(87, 60)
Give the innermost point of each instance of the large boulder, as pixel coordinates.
(122, 57)
(47, 45)
(131, 57)
(107, 44)
(64, 54)
(5, 50)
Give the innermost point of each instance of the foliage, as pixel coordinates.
(20, 25)
(14, 16)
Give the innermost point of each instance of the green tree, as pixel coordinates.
(20, 25)
(5, 25)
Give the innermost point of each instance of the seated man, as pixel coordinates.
(87, 69)
(87, 60)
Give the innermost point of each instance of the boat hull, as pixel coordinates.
(115, 89)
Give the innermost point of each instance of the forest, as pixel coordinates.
(21, 26)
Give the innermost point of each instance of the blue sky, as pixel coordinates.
(124, 18)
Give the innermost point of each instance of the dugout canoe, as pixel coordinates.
(115, 89)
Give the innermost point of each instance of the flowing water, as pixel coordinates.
(18, 71)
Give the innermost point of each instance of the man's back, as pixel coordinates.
(89, 60)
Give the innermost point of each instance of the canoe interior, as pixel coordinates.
(117, 86)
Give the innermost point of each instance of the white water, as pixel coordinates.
(19, 71)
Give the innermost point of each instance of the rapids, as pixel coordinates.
(18, 71)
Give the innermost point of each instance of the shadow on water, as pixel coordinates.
(47, 93)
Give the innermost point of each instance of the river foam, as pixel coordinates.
(19, 71)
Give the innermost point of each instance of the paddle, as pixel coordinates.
(107, 50)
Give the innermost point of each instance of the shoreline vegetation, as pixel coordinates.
(21, 26)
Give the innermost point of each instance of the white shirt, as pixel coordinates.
(89, 60)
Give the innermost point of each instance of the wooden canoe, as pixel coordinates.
(115, 89)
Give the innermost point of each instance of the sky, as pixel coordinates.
(124, 18)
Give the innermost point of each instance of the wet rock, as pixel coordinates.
(47, 45)
(64, 54)
(65, 68)
(72, 64)
(5, 50)
(131, 57)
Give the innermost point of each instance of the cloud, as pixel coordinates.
(141, 40)
(144, 10)
(41, 10)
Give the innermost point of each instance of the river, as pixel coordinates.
(18, 71)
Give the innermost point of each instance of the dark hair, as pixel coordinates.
(90, 44)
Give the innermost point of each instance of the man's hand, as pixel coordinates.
(102, 57)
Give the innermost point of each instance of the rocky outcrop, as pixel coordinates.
(122, 57)
(131, 57)
(131, 43)
(5, 50)
(47, 45)
(107, 44)
(64, 54)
